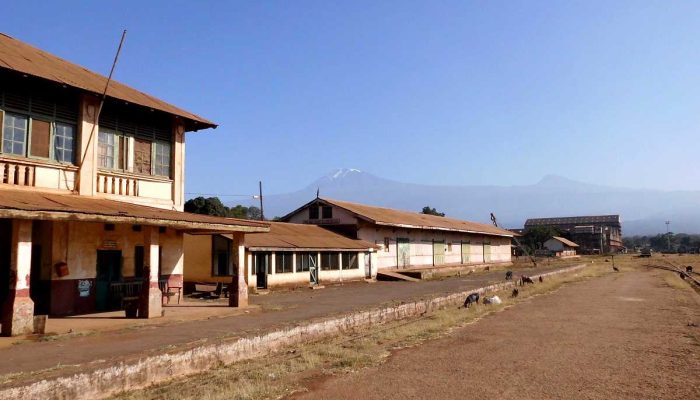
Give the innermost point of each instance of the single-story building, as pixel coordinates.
(409, 239)
(560, 247)
(287, 255)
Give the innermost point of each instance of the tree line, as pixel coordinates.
(214, 206)
(675, 242)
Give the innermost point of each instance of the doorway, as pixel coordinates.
(438, 252)
(5, 250)
(109, 270)
(262, 261)
(404, 252)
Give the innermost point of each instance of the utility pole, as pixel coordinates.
(262, 214)
(668, 236)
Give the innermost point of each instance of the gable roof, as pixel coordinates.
(409, 219)
(283, 235)
(565, 241)
(18, 56)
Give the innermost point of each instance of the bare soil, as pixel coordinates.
(630, 335)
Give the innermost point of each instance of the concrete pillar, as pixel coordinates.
(151, 305)
(177, 161)
(18, 308)
(238, 291)
(88, 145)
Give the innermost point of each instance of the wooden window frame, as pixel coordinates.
(155, 161)
(27, 130)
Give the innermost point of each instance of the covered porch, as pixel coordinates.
(63, 255)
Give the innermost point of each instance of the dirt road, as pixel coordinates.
(624, 336)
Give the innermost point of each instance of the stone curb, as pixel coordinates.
(150, 370)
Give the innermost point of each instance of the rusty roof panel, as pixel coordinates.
(565, 241)
(15, 203)
(399, 218)
(302, 236)
(24, 58)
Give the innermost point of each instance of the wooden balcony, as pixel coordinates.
(116, 183)
(16, 172)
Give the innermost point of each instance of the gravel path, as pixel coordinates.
(623, 336)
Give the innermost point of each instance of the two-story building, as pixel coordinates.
(594, 234)
(408, 239)
(91, 193)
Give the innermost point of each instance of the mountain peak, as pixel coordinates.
(340, 173)
(552, 180)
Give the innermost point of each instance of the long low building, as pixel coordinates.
(287, 255)
(409, 239)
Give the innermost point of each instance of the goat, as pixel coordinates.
(689, 269)
(616, 269)
(682, 275)
(514, 293)
(492, 300)
(509, 275)
(472, 298)
(541, 279)
(525, 279)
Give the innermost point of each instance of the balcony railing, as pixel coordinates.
(112, 183)
(16, 173)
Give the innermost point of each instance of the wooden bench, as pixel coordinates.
(128, 294)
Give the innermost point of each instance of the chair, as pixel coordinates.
(167, 291)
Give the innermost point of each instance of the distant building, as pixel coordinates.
(409, 239)
(561, 247)
(593, 234)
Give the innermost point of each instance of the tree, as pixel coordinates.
(214, 206)
(432, 211)
(535, 237)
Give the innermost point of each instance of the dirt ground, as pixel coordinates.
(630, 335)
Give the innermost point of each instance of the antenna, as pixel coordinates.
(99, 109)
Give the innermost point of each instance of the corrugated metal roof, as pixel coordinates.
(408, 219)
(21, 57)
(565, 241)
(284, 235)
(29, 204)
(589, 219)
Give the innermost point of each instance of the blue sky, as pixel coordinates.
(463, 92)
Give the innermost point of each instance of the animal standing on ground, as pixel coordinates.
(682, 275)
(509, 275)
(514, 293)
(541, 279)
(616, 269)
(689, 269)
(525, 279)
(472, 298)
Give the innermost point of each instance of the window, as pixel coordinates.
(329, 261)
(326, 212)
(305, 261)
(449, 247)
(386, 244)
(14, 134)
(221, 256)
(313, 212)
(349, 260)
(142, 157)
(283, 263)
(40, 138)
(139, 261)
(161, 164)
(106, 149)
(64, 143)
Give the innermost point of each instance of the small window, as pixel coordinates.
(64, 143)
(329, 261)
(40, 138)
(106, 149)
(326, 212)
(350, 260)
(283, 263)
(313, 212)
(305, 261)
(386, 244)
(14, 134)
(161, 164)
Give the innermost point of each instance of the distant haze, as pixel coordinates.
(643, 211)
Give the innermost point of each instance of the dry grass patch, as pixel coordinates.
(281, 374)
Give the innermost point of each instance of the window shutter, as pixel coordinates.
(40, 138)
(142, 157)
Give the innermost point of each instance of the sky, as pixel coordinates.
(439, 92)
